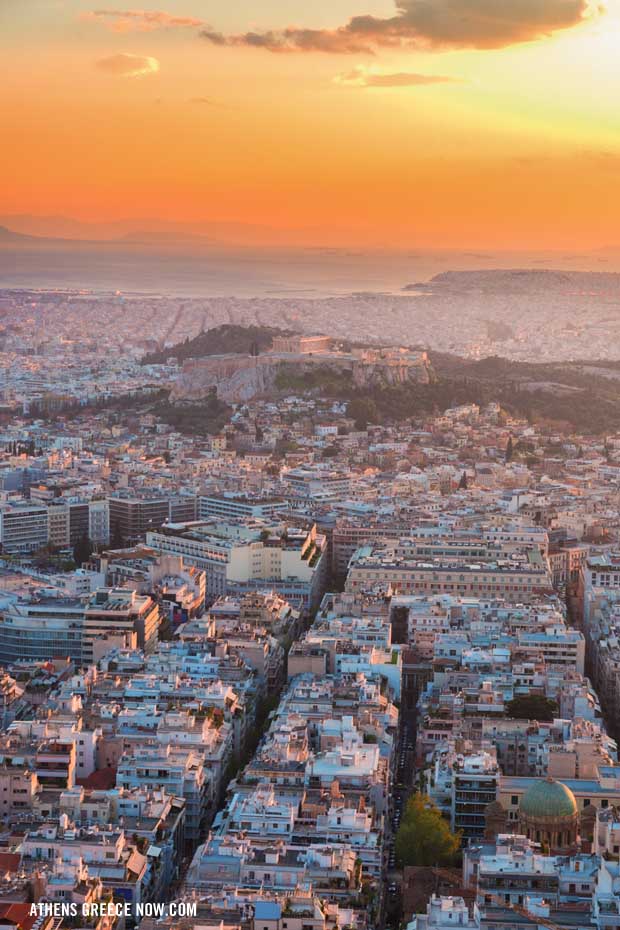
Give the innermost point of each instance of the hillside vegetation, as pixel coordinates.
(571, 396)
(575, 396)
(223, 340)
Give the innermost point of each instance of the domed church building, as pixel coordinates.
(548, 815)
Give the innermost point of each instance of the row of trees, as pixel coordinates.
(25, 447)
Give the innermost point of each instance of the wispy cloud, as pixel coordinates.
(142, 20)
(368, 77)
(595, 160)
(126, 65)
(481, 24)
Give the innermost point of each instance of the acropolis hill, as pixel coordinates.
(238, 378)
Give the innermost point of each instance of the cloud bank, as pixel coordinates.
(479, 24)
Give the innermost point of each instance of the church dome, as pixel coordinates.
(548, 799)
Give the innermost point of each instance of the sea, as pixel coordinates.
(254, 272)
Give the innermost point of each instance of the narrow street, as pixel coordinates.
(404, 778)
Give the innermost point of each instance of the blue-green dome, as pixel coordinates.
(548, 798)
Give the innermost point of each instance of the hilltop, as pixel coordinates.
(514, 280)
(579, 395)
(227, 339)
(7, 235)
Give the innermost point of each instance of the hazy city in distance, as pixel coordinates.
(310, 465)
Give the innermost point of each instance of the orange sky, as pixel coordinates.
(428, 123)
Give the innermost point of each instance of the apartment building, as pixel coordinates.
(118, 614)
(24, 527)
(42, 628)
(243, 557)
(238, 507)
(521, 579)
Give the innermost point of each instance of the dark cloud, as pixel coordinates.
(363, 77)
(336, 41)
(482, 24)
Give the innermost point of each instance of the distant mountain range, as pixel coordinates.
(214, 234)
(12, 237)
(8, 235)
(157, 231)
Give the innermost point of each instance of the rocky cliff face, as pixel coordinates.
(238, 378)
(365, 375)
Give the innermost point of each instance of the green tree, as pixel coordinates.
(424, 837)
(82, 549)
(363, 410)
(532, 707)
(509, 450)
(463, 482)
(283, 446)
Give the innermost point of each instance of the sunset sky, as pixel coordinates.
(453, 123)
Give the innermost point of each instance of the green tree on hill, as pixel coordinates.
(364, 411)
(221, 340)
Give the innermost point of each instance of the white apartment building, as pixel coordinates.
(242, 558)
(24, 527)
(99, 521)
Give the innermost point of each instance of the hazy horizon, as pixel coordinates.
(229, 269)
(443, 126)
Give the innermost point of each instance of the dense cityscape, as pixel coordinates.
(277, 655)
(310, 465)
